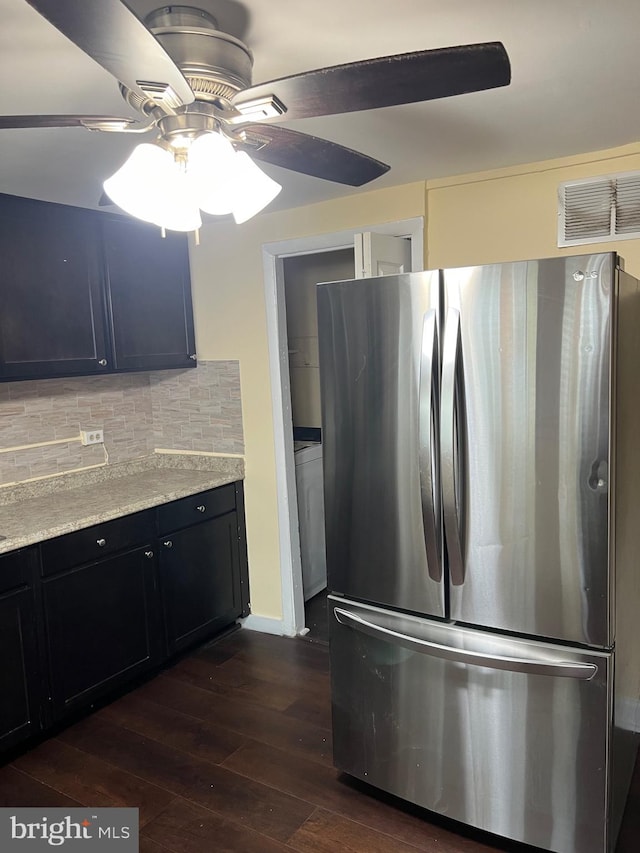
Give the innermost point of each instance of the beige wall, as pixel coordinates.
(229, 305)
(511, 214)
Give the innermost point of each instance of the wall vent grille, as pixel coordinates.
(599, 209)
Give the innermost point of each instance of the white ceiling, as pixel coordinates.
(575, 88)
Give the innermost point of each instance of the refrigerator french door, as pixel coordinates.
(467, 428)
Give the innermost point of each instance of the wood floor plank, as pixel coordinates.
(201, 674)
(230, 715)
(187, 828)
(325, 788)
(20, 790)
(325, 832)
(292, 653)
(248, 803)
(308, 681)
(91, 781)
(172, 727)
(315, 711)
(148, 845)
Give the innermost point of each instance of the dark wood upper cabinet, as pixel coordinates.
(149, 295)
(83, 292)
(52, 308)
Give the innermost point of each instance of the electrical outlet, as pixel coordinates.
(92, 436)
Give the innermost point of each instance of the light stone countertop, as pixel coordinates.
(34, 512)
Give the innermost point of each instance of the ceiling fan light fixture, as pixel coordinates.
(170, 189)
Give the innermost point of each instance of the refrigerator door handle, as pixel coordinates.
(428, 431)
(558, 668)
(452, 444)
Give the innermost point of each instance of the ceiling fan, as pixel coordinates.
(192, 82)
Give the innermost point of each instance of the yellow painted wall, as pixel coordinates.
(229, 307)
(511, 214)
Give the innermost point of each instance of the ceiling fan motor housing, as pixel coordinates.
(215, 64)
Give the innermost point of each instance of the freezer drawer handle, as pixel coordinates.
(557, 668)
(428, 431)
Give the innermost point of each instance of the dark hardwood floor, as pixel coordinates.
(230, 750)
(316, 619)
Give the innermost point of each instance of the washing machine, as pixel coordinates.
(309, 486)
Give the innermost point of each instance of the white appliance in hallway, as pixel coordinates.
(309, 484)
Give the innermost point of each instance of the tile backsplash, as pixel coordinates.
(40, 420)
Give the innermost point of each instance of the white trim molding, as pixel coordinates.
(263, 624)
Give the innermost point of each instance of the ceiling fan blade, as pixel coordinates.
(109, 32)
(405, 78)
(7, 122)
(310, 155)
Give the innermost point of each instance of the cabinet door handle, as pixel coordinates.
(101, 542)
(201, 508)
(193, 357)
(103, 362)
(148, 554)
(168, 544)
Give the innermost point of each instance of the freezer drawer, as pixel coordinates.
(508, 735)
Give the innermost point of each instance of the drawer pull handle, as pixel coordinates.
(101, 542)
(201, 508)
(148, 554)
(168, 544)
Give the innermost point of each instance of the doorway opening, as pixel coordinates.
(289, 269)
(301, 276)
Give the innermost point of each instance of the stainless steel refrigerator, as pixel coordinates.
(481, 432)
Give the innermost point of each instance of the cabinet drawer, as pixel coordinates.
(15, 569)
(96, 542)
(196, 508)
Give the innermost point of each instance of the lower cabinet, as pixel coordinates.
(84, 614)
(101, 625)
(20, 671)
(199, 580)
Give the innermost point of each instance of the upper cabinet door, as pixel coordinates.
(149, 296)
(52, 317)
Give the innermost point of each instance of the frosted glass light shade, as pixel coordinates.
(152, 187)
(138, 185)
(211, 169)
(252, 188)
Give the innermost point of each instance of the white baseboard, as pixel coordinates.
(264, 624)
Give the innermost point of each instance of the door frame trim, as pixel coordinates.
(293, 619)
